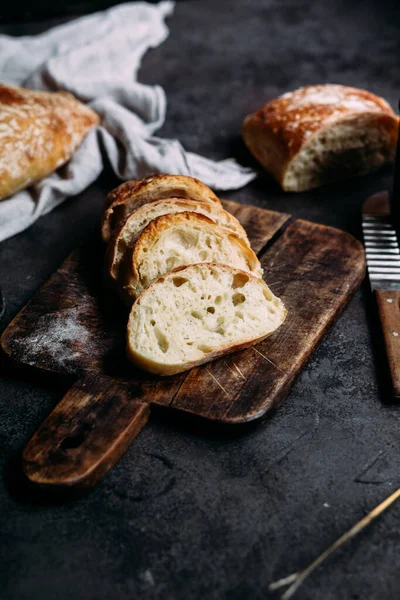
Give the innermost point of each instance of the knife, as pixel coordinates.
(383, 263)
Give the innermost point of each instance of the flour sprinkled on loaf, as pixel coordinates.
(39, 131)
(321, 133)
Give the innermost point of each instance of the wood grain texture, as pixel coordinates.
(313, 269)
(389, 313)
(72, 325)
(261, 225)
(75, 326)
(85, 435)
(79, 324)
(80, 327)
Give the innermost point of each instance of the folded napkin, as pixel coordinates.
(97, 58)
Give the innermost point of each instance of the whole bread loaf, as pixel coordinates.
(321, 133)
(125, 237)
(131, 195)
(196, 313)
(39, 132)
(175, 240)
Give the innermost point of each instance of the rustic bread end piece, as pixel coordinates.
(124, 238)
(194, 314)
(131, 195)
(175, 240)
(320, 134)
(39, 132)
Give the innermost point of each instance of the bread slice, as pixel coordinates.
(194, 314)
(131, 195)
(321, 133)
(125, 237)
(175, 240)
(39, 132)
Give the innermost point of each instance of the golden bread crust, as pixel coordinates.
(279, 130)
(133, 275)
(129, 196)
(151, 234)
(39, 132)
(123, 237)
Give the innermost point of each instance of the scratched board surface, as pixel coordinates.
(74, 325)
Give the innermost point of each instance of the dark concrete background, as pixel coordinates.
(190, 513)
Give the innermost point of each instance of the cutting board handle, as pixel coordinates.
(389, 313)
(85, 435)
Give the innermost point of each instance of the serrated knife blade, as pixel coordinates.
(383, 264)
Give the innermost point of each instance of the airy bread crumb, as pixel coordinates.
(175, 240)
(125, 237)
(194, 314)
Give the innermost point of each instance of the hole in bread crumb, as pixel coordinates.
(208, 242)
(204, 348)
(152, 322)
(238, 298)
(239, 314)
(161, 340)
(239, 280)
(186, 238)
(189, 343)
(172, 261)
(178, 281)
(267, 295)
(203, 255)
(220, 330)
(161, 252)
(211, 310)
(195, 314)
(218, 300)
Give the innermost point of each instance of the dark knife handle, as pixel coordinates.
(389, 314)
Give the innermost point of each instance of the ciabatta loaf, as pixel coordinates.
(39, 132)
(131, 195)
(124, 238)
(180, 239)
(197, 313)
(321, 133)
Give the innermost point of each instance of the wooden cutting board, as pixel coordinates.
(75, 326)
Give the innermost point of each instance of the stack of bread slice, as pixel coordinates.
(185, 266)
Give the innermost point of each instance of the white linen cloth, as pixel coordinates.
(97, 59)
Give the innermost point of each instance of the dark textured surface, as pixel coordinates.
(188, 513)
